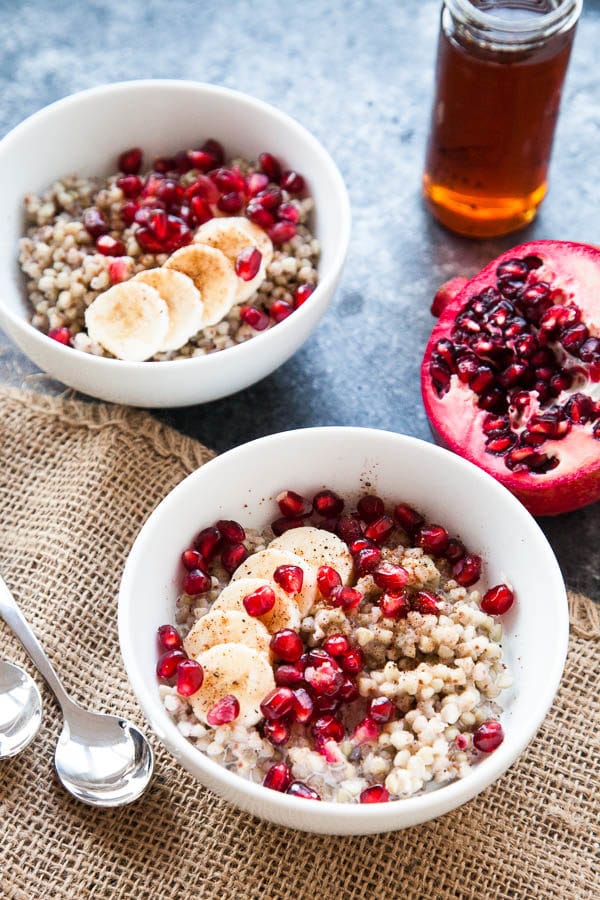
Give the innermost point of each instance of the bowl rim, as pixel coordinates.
(417, 808)
(326, 284)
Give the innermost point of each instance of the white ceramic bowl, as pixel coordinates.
(83, 134)
(242, 485)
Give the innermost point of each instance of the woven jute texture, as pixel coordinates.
(76, 483)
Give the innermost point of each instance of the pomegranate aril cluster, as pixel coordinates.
(518, 344)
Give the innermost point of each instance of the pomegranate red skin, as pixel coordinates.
(543, 495)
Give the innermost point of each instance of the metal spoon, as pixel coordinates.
(20, 709)
(101, 760)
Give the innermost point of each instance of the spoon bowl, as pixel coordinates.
(20, 709)
(102, 760)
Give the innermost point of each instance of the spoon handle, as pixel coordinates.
(14, 618)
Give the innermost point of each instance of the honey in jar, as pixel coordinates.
(499, 76)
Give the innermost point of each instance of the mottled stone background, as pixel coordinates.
(359, 75)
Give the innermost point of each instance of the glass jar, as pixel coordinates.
(499, 76)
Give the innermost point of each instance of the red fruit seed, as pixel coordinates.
(277, 703)
(248, 263)
(190, 676)
(168, 662)
(377, 793)
(231, 531)
(130, 161)
(379, 530)
(196, 582)
(390, 577)
(225, 710)
(233, 556)
(467, 570)
(327, 503)
(488, 736)
(169, 638)
(278, 777)
(290, 578)
(498, 600)
(287, 645)
(259, 602)
(336, 644)
(328, 580)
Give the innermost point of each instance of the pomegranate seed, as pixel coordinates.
(461, 741)
(289, 676)
(467, 570)
(292, 504)
(259, 602)
(299, 789)
(346, 597)
(287, 645)
(280, 310)
(196, 582)
(381, 709)
(270, 199)
(292, 182)
(255, 183)
(327, 503)
(279, 526)
(348, 528)
(348, 691)
(455, 550)
(277, 703)
(164, 164)
(290, 578)
(278, 777)
(201, 209)
(325, 679)
(208, 542)
(377, 793)
(169, 191)
(191, 559)
(118, 271)
(130, 161)
(287, 212)
(370, 508)
(168, 662)
(366, 559)
(233, 556)
(432, 539)
(148, 241)
(590, 349)
(61, 335)
(158, 224)
(254, 317)
(95, 222)
(259, 215)
(228, 180)
(574, 337)
(390, 577)
(204, 188)
(190, 676)
(328, 580)
(225, 710)
(329, 524)
(270, 166)
(303, 706)
(579, 408)
(169, 638)
(361, 543)
(231, 203)
(128, 212)
(231, 531)
(183, 163)
(248, 263)
(328, 705)
(366, 731)
(336, 645)
(315, 657)
(380, 529)
(394, 604)
(281, 232)
(110, 246)
(330, 728)
(303, 292)
(131, 185)
(277, 732)
(488, 736)
(498, 600)
(352, 661)
(426, 603)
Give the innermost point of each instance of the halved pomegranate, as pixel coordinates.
(511, 374)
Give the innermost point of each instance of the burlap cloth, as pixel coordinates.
(76, 483)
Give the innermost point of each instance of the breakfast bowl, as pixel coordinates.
(529, 638)
(83, 135)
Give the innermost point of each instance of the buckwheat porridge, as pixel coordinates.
(192, 257)
(352, 657)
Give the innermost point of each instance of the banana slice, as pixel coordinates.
(131, 321)
(221, 626)
(231, 236)
(183, 300)
(238, 670)
(317, 547)
(285, 613)
(264, 563)
(212, 275)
